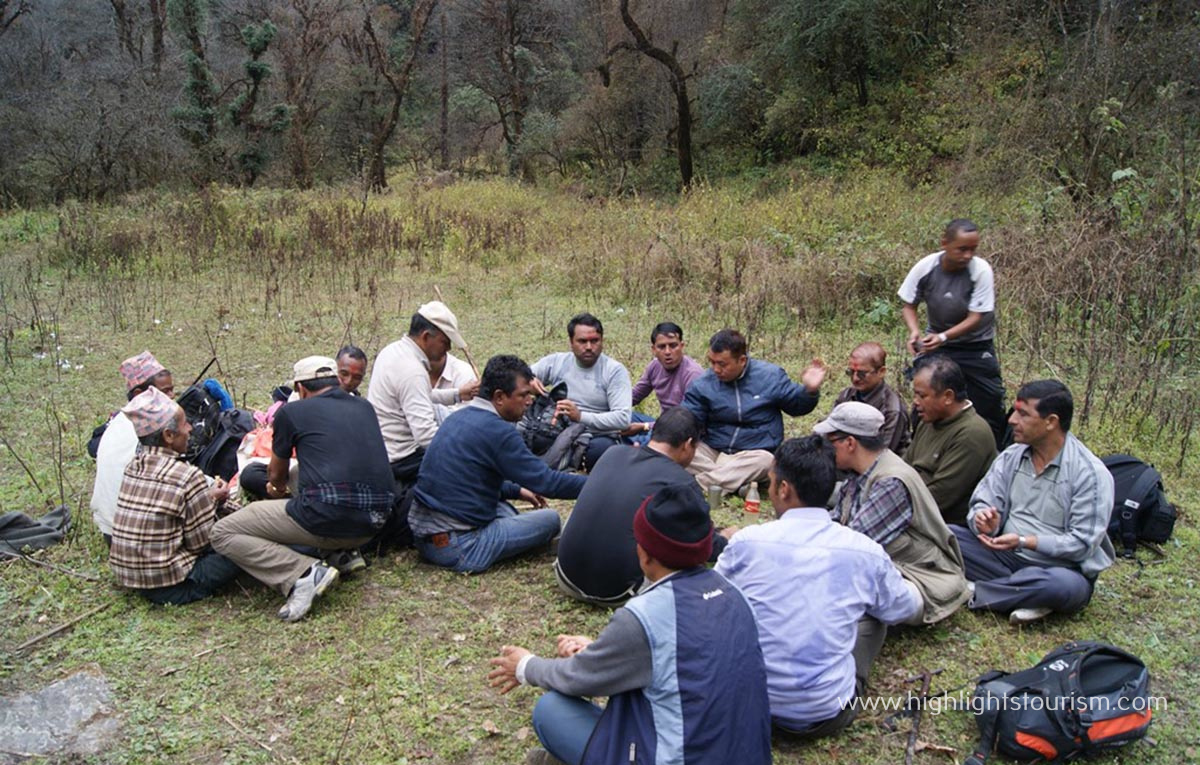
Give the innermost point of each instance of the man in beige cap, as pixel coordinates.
(887, 501)
(116, 442)
(401, 392)
(344, 495)
(166, 511)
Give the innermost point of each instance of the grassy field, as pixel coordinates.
(390, 666)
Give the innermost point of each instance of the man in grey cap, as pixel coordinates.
(887, 501)
(344, 497)
(401, 392)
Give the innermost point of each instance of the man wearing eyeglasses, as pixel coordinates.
(867, 369)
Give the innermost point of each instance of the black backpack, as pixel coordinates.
(1081, 698)
(539, 427)
(216, 433)
(1140, 511)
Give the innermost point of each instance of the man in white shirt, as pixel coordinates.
(400, 389)
(818, 640)
(119, 442)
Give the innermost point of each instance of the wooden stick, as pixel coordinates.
(63, 627)
(47, 564)
(201, 654)
(466, 351)
(250, 738)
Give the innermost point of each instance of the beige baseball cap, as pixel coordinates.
(444, 319)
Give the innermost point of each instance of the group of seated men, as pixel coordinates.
(923, 519)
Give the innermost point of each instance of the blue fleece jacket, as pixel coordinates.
(477, 459)
(746, 413)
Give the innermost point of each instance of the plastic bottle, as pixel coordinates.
(752, 500)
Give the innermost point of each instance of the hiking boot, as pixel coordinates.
(1028, 615)
(314, 583)
(540, 756)
(346, 561)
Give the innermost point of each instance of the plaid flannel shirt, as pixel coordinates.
(884, 515)
(163, 519)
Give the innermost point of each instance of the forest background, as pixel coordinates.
(258, 181)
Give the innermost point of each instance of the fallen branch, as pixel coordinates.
(51, 566)
(63, 627)
(20, 461)
(249, 738)
(200, 655)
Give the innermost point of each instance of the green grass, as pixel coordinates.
(390, 666)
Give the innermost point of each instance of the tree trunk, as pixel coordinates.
(444, 125)
(158, 24)
(683, 135)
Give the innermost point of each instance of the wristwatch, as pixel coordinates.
(1020, 542)
(942, 338)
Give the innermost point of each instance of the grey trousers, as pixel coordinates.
(1005, 581)
(256, 538)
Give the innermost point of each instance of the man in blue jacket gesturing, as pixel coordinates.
(739, 403)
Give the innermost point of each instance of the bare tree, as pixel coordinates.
(308, 31)
(10, 12)
(388, 44)
(678, 79)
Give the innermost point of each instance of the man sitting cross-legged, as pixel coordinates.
(667, 376)
(460, 516)
(887, 501)
(118, 443)
(598, 387)
(1037, 534)
(953, 446)
(597, 560)
(166, 511)
(740, 403)
(345, 490)
(820, 592)
(867, 370)
(680, 662)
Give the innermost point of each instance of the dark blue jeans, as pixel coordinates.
(210, 573)
(475, 551)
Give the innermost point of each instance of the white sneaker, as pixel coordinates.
(307, 588)
(1028, 615)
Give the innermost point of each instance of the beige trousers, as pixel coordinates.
(729, 471)
(257, 538)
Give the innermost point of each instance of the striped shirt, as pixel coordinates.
(163, 519)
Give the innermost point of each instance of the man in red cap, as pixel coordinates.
(166, 511)
(680, 662)
(114, 443)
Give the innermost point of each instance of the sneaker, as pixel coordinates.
(1028, 615)
(540, 756)
(346, 561)
(314, 583)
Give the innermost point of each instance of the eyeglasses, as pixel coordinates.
(855, 374)
(835, 439)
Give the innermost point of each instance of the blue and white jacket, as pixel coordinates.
(706, 703)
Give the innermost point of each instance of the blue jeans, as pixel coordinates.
(475, 551)
(209, 573)
(641, 439)
(564, 724)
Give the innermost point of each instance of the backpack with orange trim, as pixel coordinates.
(1081, 698)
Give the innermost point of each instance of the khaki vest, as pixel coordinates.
(926, 553)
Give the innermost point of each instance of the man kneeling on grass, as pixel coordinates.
(680, 662)
(345, 490)
(166, 510)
